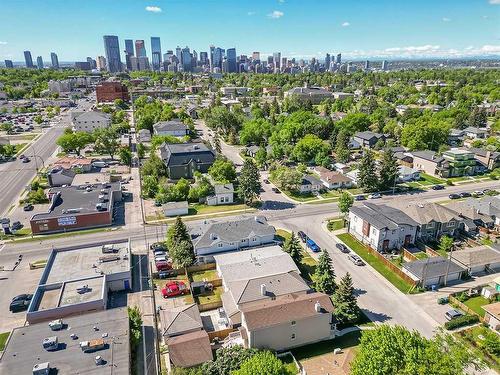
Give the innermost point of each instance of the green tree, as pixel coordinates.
(255, 131)
(217, 145)
(135, 324)
(38, 119)
(74, 141)
(222, 170)
(106, 141)
(249, 182)
(287, 178)
(394, 350)
(293, 248)
(367, 176)
(388, 170)
(310, 148)
(324, 275)
(149, 186)
(228, 360)
(261, 157)
(478, 118)
(223, 120)
(262, 363)
(125, 155)
(346, 201)
(354, 122)
(344, 300)
(445, 244)
(180, 244)
(342, 151)
(426, 132)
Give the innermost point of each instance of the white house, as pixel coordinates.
(334, 180)
(408, 174)
(171, 209)
(382, 227)
(310, 184)
(90, 121)
(353, 175)
(175, 128)
(144, 135)
(224, 194)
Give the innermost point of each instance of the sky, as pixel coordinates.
(297, 28)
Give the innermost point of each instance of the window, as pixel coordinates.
(430, 225)
(243, 240)
(292, 337)
(220, 245)
(294, 322)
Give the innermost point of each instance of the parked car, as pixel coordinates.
(20, 302)
(160, 254)
(453, 314)
(375, 196)
(465, 194)
(26, 160)
(359, 198)
(302, 235)
(276, 190)
(342, 247)
(165, 274)
(163, 265)
(22, 156)
(454, 196)
(313, 246)
(356, 260)
(438, 187)
(266, 181)
(28, 207)
(174, 288)
(158, 246)
(161, 258)
(477, 193)
(99, 164)
(16, 225)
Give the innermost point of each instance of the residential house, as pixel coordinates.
(144, 135)
(475, 133)
(74, 163)
(59, 176)
(180, 320)
(184, 159)
(287, 321)
(453, 163)
(232, 235)
(173, 209)
(434, 220)
(175, 128)
(338, 95)
(334, 180)
(245, 291)
(90, 121)
(428, 162)
(477, 259)
(404, 159)
(490, 159)
(433, 271)
(189, 350)
(492, 315)
(313, 94)
(231, 91)
(408, 174)
(341, 168)
(353, 175)
(483, 212)
(223, 194)
(367, 138)
(456, 137)
(382, 227)
(310, 185)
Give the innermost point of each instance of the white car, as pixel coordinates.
(375, 196)
(477, 193)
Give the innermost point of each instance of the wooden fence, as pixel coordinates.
(201, 267)
(465, 308)
(408, 256)
(428, 250)
(209, 306)
(221, 335)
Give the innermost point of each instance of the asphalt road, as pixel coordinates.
(15, 176)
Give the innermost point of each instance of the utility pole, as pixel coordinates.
(448, 265)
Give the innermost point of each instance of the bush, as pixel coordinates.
(462, 297)
(449, 182)
(464, 320)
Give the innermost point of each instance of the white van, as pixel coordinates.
(99, 164)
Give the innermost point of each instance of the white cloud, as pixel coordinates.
(251, 13)
(276, 14)
(345, 24)
(490, 49)
(446, 19)
(3, 43)
(154, 9)
(494, 2)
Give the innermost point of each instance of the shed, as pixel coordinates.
(171, 209)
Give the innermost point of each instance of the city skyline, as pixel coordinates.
(359, 31)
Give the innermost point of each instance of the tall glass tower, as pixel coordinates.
(231, 60)
(140, 48)
(28, 59)
(155, 52)
(112, 50)
(55, 60)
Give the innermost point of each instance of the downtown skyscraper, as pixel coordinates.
(112, 51)
(28, 59)
(140, 48)
(54, 60)
(129, 53)
(155, 52)
(231, 60)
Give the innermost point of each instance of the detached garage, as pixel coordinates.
(478, 259)
(433, 271)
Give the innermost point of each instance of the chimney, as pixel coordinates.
(317, 307)
(263, 290)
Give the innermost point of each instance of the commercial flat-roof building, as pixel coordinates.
(78, 207)
(24, 349)
(77, 280)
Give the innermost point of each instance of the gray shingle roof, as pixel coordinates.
(434, 267)
(381, 216)
(234, 231)
(367, 135)
(183, 153)
(173, 125)
(90, 116)
(427, 155)
(476, 256)
(308, 179)
(424, 213)
(223, 188)
(179, 320)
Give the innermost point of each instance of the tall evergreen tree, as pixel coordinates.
(249, 182)
(292, 247)
(324, 275)
(389, 170)
(367, 176)
(180, 246)
(342, 151)
(217, 146)
(344, 300)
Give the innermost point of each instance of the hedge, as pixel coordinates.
(461, 321)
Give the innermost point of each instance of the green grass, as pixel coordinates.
(474, 338)
(25, 238)
(349, 340)
(3, 340)
(290, 366)
(214, 296)
(376, 263)
(335, 225)
(476, 303)
(421, 255)
(282, 235)
(21, 233)
(201, 209)
(204, 275)
(426, 179)
(331, 194)
(323, 201)
(306, 197)
(307, 266)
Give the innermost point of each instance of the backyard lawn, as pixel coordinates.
(307, 266)
(201, 209)
(290, 366)
(426, 179)
(204, 275)
(484, 343)
(335, 224)
(421, 255)
(349, 340)
(376, 263)
(3, 339)
(214, 296)
(476, 303)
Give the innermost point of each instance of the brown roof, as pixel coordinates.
(69, 162)
(284, 309)
(493, 309)
(332, 176)
(190, 349)
(180, 320)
